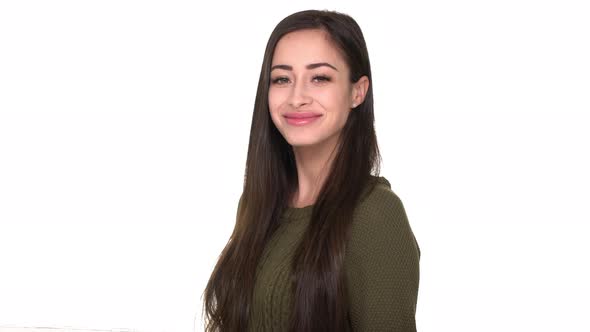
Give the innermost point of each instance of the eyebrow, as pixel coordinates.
(309, 66)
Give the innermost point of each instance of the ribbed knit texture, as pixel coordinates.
(381, 267)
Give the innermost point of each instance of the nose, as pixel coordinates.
(299, 95)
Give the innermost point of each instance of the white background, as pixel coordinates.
(123, 136)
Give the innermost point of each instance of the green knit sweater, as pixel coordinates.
(381, 267)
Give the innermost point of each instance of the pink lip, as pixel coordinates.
(302, 121)
(300, 115)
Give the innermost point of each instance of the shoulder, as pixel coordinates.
(380, 224)
(381, 208)
(381, 264)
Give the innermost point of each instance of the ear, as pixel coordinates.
(359, 91)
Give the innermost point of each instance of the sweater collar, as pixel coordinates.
(293, 213)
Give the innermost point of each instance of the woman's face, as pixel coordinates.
(298, 86)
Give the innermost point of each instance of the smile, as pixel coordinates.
(302, 121)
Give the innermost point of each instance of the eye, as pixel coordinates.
(322, 78)
(280, 80)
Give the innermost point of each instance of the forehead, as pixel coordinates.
(302, 47)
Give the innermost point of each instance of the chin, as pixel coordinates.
(301, 145)
(303, 142)
(300, 141)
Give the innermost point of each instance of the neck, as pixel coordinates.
(313, 164)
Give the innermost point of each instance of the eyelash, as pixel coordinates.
(322, 77)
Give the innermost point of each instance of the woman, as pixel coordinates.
(320, 244)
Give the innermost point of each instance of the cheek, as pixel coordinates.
(333, 100)
(273, 107)
(274, 100)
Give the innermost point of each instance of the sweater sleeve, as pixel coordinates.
(382, 267)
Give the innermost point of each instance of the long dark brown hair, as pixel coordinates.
(270, 180)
